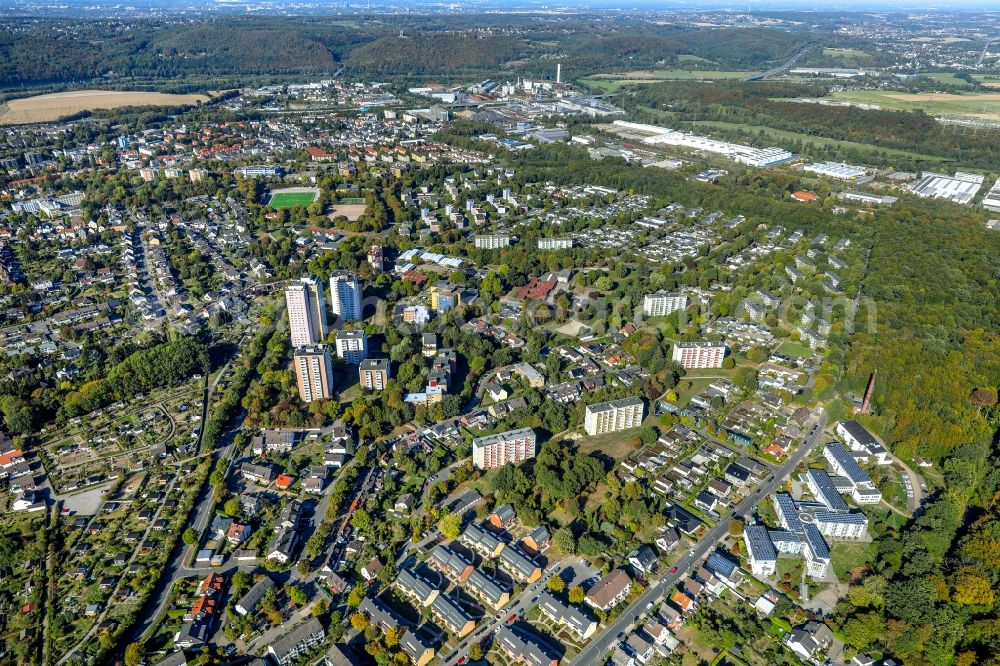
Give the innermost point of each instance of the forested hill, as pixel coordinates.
(225, 51)
(236, 51)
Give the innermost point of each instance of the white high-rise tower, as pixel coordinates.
(306, 303)
(345, 295)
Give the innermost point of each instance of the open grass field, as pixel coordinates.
(615, 80)
(291, 197)
(986, 105)
(794, 349)
(848, 57)
(847, 556)
(617, 445)
(47, 108)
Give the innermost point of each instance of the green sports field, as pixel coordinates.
(291, 199)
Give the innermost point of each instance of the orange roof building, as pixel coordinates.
(284, 481)
(682, 601)
(211, 585)
(805, 197)
(203, 607)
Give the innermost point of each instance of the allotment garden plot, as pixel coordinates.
(95, 448)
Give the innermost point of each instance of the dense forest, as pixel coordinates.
(232, 51)
(766, 104)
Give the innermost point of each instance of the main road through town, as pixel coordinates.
(606, 638)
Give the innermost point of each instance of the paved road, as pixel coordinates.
(606, 638)
(777, 70)
(519, 606)
(176, 566)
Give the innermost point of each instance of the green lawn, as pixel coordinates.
(618, 445)
(687, 58)
(685, 394)
(848, 57)
(946, 78)
(847, 556)
(932, 103)
(291, 199)
(615, 80)
(794, 350)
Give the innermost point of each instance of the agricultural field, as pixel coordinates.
(47, 108)
(985, 105)
(848, 57)
(291, 197)
(614, 80)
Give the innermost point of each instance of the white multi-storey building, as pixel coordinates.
(760, 551)
(306, 304)
(352, 346)
(314, 373)
(692, 355)
(555, 243)
(842, 525)
(513, 446)
(842, 463)
(613, 416)
(492, 241)
(373, 373)
(345, 295)
(663, 303)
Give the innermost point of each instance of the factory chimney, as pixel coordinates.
(558, 72)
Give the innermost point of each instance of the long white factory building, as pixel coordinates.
(757, 157)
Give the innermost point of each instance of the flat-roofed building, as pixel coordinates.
(345, 295)
(613, 416)
(373, 373)
(699, 355)
(306, 304)
(492, 241)
(313, 373)
(352, 346)
(663, 303)
(512, 446)
(555, 243)
(837, 170)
